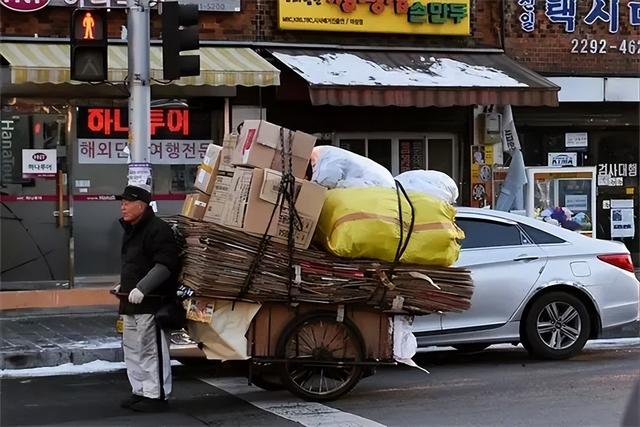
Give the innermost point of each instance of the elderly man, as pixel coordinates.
(147, 278)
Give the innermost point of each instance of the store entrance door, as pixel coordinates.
(35, 217)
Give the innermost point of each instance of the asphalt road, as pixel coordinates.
(500, 387)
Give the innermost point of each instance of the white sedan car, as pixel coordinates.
(537, 284)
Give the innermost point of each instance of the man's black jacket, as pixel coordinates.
(145, 244)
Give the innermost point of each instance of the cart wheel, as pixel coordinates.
(319, 350)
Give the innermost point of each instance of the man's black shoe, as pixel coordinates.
(134, 398)
(150, 405)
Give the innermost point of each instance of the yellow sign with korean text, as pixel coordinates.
(444, 17)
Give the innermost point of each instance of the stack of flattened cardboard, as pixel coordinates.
(239, 183)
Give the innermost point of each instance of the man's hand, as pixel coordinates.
(135, 296)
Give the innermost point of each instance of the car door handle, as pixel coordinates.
(526, 258)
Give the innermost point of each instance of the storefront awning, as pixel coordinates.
(49, 63)
(417, 79)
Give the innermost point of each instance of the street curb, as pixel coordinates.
(58, 356)
(57, 298)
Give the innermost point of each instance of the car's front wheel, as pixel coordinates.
(556, 326)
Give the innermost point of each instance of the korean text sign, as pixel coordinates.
(178, 135)
(444, 17)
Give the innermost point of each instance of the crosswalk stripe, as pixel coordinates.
(283, 404)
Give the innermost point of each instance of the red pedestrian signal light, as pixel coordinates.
(89, 45)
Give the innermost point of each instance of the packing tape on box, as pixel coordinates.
(206, 168)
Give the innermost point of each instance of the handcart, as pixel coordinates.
(318, 352)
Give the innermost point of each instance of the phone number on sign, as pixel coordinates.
(625, 47)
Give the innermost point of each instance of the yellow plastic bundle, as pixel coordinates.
(363, 223)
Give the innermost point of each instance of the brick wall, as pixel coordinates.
(258, 22)
(54, 22)
(547, 48)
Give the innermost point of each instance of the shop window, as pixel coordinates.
(401, 154)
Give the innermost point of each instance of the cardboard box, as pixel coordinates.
(254, 193)
(195, 205)
(220, 197)
(208, 169)
(301, 147)
(259, 145)
(229, 143)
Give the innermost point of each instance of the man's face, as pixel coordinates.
(132, 210)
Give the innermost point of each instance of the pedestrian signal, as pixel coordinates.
(89, 45)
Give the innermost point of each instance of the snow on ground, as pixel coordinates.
(68, 369)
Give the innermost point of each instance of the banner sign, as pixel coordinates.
(162, 152)
(449, 17)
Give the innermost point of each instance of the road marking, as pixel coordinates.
(285, 405)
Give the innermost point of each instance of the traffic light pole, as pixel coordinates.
(140, 93)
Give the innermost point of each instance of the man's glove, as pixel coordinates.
(116, 289)
(135, 296)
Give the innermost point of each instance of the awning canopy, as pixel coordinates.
(49, 63)
(417, 79)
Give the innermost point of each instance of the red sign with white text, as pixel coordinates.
(24, 5)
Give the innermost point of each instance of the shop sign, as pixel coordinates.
(576, 140)
(162, 152)
(203, 5)
(613, 174)
(39, 163)
(611, 12)
(450, 17)
(561, 160)
(14, 135)
(24, 5)
(178, 135)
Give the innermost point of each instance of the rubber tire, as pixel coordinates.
(284, 373)
(471, 348)
(536, 346)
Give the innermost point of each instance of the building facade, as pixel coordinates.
(592, 52)
(408, 84)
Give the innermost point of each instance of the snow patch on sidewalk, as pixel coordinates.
(96, 366)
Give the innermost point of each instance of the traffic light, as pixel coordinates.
(89, 45)
(179, 32)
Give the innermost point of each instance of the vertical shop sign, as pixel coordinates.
(15, 135)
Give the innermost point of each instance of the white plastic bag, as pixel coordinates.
(433, 183)
(334, 167)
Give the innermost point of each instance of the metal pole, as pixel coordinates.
(140, 93)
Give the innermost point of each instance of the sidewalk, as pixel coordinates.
(32, 338)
